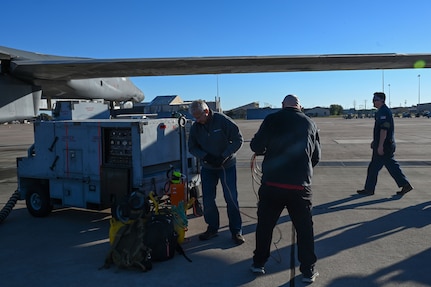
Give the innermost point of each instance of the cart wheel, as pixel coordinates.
(38, 203)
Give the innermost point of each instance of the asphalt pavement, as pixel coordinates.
(379, 240)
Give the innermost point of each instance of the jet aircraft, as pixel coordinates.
(26, 76)
(20, 92)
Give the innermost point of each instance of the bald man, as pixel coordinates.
(289, 141)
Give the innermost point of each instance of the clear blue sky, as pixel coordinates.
(139, 29)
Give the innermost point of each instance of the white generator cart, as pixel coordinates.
(93, 164)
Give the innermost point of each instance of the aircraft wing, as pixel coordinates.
(25, 75)
(65, 68)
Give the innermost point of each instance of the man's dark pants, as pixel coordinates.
(272, 201)
(228, 179)
(376, 164)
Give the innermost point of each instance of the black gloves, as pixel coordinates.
(215, 161)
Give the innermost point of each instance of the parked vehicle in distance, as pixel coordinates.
(406, 115)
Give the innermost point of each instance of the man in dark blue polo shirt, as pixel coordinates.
(383, 146)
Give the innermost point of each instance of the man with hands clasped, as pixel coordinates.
(214, 139)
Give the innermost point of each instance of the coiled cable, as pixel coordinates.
(7, 209)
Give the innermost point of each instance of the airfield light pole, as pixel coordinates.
(389, 93)
(419, 89)
(217, 100)
(217, 86)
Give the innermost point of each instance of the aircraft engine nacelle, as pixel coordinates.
(18, 100)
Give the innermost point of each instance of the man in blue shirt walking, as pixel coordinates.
(383, 146)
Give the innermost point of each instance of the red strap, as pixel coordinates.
(285, 185)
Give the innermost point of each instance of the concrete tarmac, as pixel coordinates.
(380, 240)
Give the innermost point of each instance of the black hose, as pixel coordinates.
(292, 257)
(6, 210)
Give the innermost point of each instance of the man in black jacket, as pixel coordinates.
(289, 141)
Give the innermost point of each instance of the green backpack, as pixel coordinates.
(128, 248)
